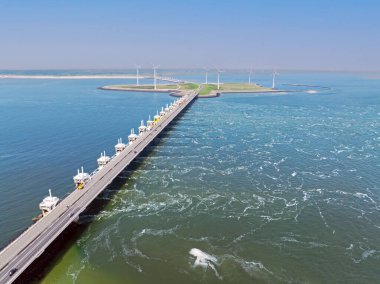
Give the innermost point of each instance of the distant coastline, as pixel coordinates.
(106, 76)
(125, 89)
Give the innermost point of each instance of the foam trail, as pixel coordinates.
(311, 91)
(204, 260)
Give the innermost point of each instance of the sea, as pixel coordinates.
(242, 188)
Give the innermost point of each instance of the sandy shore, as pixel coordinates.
(254, 91)
(214, 94)
(121, 76)
(115, 88)
(172, 92)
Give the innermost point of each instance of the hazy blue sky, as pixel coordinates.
(293, 34)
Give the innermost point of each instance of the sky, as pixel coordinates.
(114, 34)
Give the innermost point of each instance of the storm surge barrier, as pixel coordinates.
(23, 251)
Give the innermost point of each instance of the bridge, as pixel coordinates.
(31, 244)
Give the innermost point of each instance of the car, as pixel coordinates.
(12, 271)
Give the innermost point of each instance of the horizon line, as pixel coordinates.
(197, 69)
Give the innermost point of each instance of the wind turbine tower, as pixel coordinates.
(206, 81)
(137, 75)
(219, 71)
(249, 77)
(155, 76)
(273, 79)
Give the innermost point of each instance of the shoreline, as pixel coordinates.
(121, 76)
(180, 93)
(111, 88)
(215, 94)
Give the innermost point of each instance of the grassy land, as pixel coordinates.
(241, 87)
(207, 89)
(188, 86)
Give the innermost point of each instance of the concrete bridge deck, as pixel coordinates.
(31, 244)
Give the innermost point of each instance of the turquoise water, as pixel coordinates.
(270, 188)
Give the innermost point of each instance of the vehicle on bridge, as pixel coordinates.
(12, 271)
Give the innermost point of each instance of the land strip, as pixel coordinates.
(206, 90)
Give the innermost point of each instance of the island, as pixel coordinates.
(204, 90)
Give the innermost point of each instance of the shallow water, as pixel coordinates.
(243, 188)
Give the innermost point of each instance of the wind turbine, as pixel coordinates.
(137, 75)
(154, 76)
(274, 77)
(249, 77)
(206, 81)
(219, 71)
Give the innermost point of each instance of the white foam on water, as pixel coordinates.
(248, 208)
(368, 253)
(335, 172)
(5, 156)
(271, 177)
(251, 267)
(74, 274)
(350, 247)
(275, 165)
(363, 196)
(317, 245)
(200, 239)
(132, 251)
(246, 115)
(311, 193)
(291, 203)
(341, 192)
(324, 220)
(289, 239)
(194, 141)
(260, 199)
(319, 190)
(204, 260)
(270, 218)
(311, 91)
(154, 232)
(133, 265)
